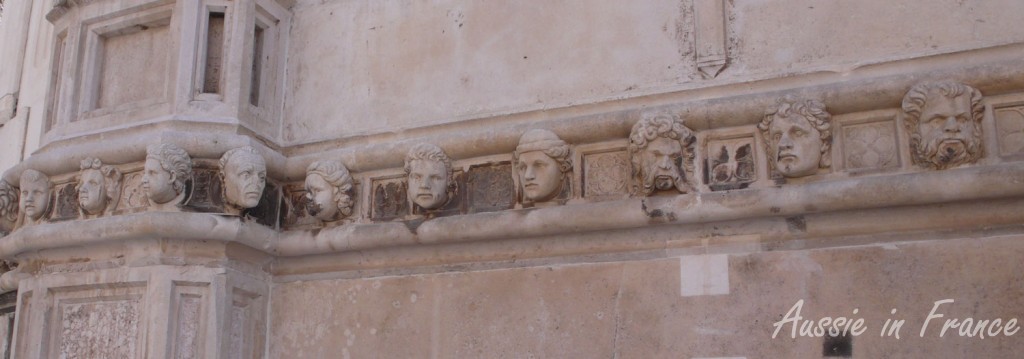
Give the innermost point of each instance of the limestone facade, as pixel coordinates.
(657, 178)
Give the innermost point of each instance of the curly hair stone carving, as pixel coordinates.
(647, 130)
(172, 159)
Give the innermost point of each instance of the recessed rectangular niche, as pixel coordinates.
(132, 64)
(214, 59)
(255, 91)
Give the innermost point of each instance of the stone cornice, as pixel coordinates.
(978, 183)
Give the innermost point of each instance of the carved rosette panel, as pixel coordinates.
(107, 329)
(207, 195)
(871, 145)
(133, 198)
(66, 203)
(606, 174)
(491, 188)
(1010, 127)
(389, 199)
(730, 164)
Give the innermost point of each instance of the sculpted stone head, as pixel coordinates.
(97, 186)
(429, 172)
(542, 162)
(245, 175)
(167, 169)
(8, 207)
(328, 186)
(35, 195)
(661, 152)
(798, 134)
(944, 123)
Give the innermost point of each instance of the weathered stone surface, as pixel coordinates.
(634, 308)
(490, 188)
(730, 163)
(606, 174)
(99, 329)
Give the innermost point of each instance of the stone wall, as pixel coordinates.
(299, 178)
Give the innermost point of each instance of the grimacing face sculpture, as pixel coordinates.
(798, 134)
(35, 195)
(429, 172)
(166, 170)
(661, 152)
(245, 175)
(97, 186)
(944, 123)
(541, 161)
(328, 185)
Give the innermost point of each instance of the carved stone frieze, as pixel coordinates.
(66, 205)
(661, 151)
(329, 189)
(99, 187)
(244, 175)
(167, 170)
(1010, 127)
(133, 195)
(8, 207)
(206, 193)
(870, 145)
(430, 181)
(606, 174)
(490, 187)
(730, 163)
(389, 199)
(798, 136)
(36, 195)
(542, 167)
(943, 120)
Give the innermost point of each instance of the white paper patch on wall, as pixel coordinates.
(706, 274)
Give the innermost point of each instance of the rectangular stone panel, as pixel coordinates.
(206, 193)
(1010, 130)
(294, 212)
(65, 205)
(133, 198)
(98, 329)
(730, 163)
(606, 174)
(490, 187)
(869, 145)
(389, 198)
(133, 65)
(189, 316)
(267, 211)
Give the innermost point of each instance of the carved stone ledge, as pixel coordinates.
(976, 183)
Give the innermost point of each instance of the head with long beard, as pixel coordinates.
(944, 122)
(661, 153)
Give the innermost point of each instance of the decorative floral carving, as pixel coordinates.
(605, 174)
(730, 164)
(870, 146)
(206, 191)
(389, 199)
(8, 207)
